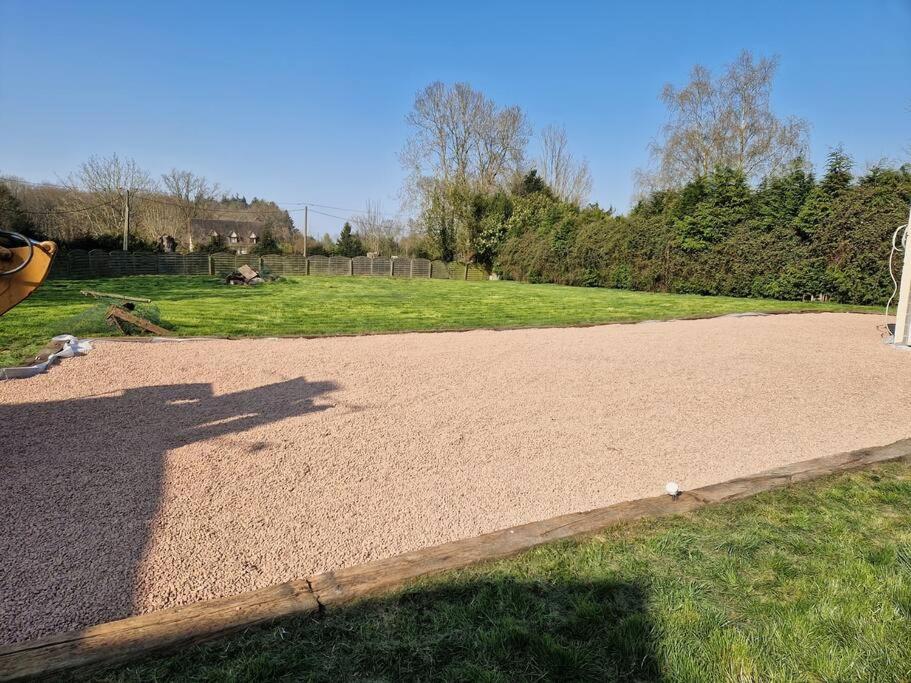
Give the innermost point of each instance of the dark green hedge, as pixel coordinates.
(791, 237)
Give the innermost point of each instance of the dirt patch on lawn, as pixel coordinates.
(148, 475)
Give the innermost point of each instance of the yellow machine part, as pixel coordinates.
(17, 286)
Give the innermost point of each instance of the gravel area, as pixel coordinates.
(148, 475)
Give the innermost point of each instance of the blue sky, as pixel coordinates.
(306, 101)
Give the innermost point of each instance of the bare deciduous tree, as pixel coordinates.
(461, 142)
(102, 180)
(378, 234)
(459, 135)
(726, 121)
(571, 180)
(192, 195)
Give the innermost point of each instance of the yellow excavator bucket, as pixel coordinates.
(23, 266)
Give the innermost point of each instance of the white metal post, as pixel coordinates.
(903, 312)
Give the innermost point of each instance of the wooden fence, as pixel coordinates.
(79, 264)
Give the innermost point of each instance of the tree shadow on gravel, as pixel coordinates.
(490, 629)
(80, 486)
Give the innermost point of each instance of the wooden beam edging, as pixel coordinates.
(128, 639)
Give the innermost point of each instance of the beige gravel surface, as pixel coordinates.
(148, 475)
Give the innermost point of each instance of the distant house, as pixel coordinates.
(237, 236)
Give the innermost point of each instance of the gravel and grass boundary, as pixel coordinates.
(321, 306)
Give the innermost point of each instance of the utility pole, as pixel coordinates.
(126, 220)
(306, 211)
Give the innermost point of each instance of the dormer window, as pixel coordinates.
(233, 237)
(253, 238)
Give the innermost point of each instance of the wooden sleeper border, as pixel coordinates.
(129, 639)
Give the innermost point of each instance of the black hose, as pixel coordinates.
(15, 236)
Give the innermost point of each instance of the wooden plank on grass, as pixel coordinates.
(116, 313)
(128, 639)
(109, 295)
(132, 638)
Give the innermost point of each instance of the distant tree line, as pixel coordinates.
(86, 210)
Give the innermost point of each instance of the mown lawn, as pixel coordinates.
(812, 583)
(198, 305)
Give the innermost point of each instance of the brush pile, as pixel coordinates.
(244, 275)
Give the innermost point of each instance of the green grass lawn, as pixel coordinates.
(811, 583)
(197, 305)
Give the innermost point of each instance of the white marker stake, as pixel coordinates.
(903, 313)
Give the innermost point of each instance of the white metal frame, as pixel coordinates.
(903, 312)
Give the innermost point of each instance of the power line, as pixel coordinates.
(326, 206)
(336, 208)
(321, 213)
(65, 211)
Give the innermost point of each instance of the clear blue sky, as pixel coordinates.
(305, 101)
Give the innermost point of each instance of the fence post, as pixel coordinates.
(350, 266)
(391, 266)
(411, 269)
(466, 271)
(211, 265)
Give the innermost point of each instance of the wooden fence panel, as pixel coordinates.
(401, 267)
(170, 264)
(60, 267)
(319, 265)
(251, 260)
(196, 264)
(145, 263)
(223, 263)
(339, 265)
(476, 273)
(295, 264)
(274, 263)
(360, 265)
(381, 266)
(420, 267)
(79, 264)
(98, 263)
(120, 263)
(439, 270)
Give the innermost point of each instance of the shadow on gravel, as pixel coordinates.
(494, 629)
(80, 485)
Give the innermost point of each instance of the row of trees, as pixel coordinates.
(349, 243)
(88, 208)
(790, 237)
(728, 206)
(463, 149)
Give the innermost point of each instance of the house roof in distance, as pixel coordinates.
(224, 227)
